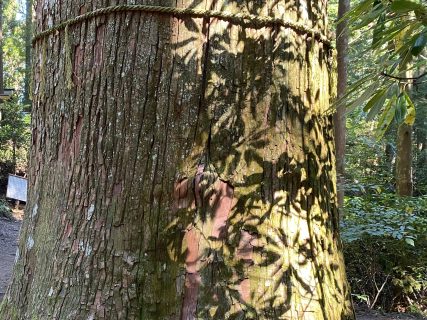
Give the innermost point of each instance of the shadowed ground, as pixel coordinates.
(9, 231)
(366, 314)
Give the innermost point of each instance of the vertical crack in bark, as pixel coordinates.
(205, 64)
(213, 199)
(245, 252)
(151, 103)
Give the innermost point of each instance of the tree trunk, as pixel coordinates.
(340, 116)
(188, 173)
(419, 178)
(1, 51)
(28, 38)
(404, 160)
(420, 174)
(14, 154)
(404, 182)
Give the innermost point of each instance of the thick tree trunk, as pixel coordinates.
(404, 160)
(340, 116)
(188, 173)
(28, 38)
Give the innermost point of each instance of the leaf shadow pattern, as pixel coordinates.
(256, 222)
(210, 170)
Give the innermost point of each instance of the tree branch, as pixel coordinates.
(378, 291)
(403, 79)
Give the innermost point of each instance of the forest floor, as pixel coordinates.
(9, 232)
(366, 314)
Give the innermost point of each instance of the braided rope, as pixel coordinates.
(237, 18)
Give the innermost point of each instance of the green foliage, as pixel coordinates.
(385, 241)
(5, 210)
(4, 207)
(420, 141)
(369, 162)
(374, 261)
(14, 132)
(398, 37)
(13, 45)
(384, 235)
(385, 215)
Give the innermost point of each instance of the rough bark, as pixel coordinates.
(188, 173)
(28, 38)
(340, 115)
(404, 185)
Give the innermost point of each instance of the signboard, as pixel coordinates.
(17, 188)
(7, 93)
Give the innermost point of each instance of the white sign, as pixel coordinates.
(17, 188)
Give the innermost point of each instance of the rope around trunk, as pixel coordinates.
(237, 18)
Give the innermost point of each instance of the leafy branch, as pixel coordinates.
(399, 36)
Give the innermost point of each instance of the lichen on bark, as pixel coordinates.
(188, 173)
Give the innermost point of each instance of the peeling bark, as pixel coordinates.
(188, 173)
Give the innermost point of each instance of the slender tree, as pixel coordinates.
(404, 179)
(1, 49)
(181, 168)
(28, 38)
(420, 133)
(340, 116)
(404, 185)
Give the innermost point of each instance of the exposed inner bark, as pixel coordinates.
(188, 173)
(218, 196)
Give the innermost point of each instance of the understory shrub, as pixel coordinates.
(5, 211)
(385, 249)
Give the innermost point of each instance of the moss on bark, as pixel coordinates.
(188, 173)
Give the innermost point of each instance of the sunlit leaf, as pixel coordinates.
(377, 13)
(420, 43)
(400, 112)
(410, 241)
(363, 97)
(410, 113)
(386, 118)
(402, 6)
(379, 28)
(377, 100)
(357, 11)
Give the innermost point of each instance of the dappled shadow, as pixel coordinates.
(196, 164)
(255, 214)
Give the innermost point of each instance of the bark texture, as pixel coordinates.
(404, 184)
(28, 38)
(404, 179)
(340, 116)
(187, 174)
